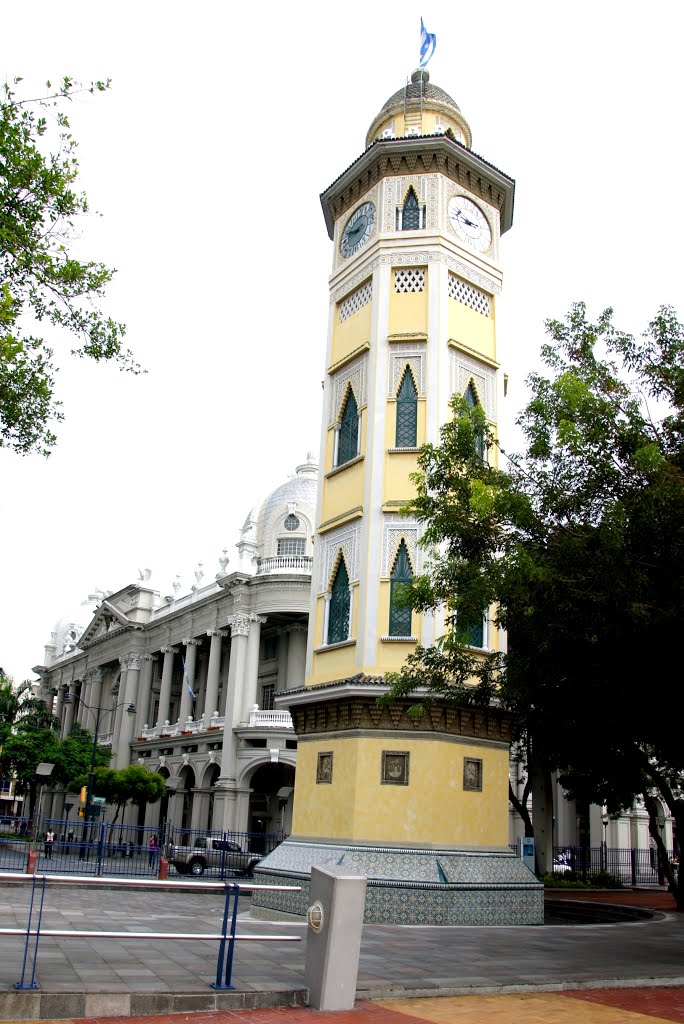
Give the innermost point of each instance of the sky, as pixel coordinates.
(205, 162)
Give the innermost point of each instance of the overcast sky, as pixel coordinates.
(206, 160)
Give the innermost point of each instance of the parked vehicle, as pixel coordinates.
(211, 853)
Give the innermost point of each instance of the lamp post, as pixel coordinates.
(604, 821)
(98, 712)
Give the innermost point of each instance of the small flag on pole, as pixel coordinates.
(187, 681)
(428, 42)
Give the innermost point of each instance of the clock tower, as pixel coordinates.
(416, 223)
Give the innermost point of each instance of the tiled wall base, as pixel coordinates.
(441, 887)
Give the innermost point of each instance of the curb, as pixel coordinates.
(37, 1005)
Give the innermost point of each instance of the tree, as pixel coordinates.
(578, 549)
(39, 280)
(134, 784)
(17, 702)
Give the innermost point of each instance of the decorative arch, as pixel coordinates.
(406, 430)
(347, 436)
(210, 775)
(401, 575)
(338, 618)
(411, 215)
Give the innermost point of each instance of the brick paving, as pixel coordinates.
(474, 975)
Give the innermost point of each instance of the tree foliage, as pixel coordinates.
(41, 283)
(577, 547)
(135, 785)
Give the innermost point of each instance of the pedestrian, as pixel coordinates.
(49, 843)
(153, 847)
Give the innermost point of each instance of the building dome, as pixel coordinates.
(283, 525)
(68, 628)
(420, 108)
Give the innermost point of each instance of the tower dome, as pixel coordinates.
(420, 108)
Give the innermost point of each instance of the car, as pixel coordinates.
(213, 854)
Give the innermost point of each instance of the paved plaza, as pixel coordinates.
(109, 977)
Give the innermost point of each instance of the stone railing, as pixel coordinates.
(182, 729)
(270, 719)
(284, 564)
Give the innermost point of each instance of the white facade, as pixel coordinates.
(202, 670)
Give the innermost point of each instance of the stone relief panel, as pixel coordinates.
(395, 529)
(463, 370)
(354, 374)
(400, 355)
(343, 539)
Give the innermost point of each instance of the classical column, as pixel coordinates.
(144, 703)
(113, 724)
(95, 697)
(83, 713)
(69, 715)
(165, 691)
(296, 655)
(249, 685)
(57, 705)
(211, 694)
(188, 680)
(239, 633)
(122, 742)
(281, 681)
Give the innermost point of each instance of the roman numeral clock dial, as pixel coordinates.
(357, 230)
(469, 223)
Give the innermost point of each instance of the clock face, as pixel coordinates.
(357, 230)
(470, 223)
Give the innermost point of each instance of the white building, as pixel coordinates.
(201, 669)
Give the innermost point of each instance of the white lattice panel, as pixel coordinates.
(468, 295)
(464, 369)
(356, 300)
(344, 539)
(353, 373)
(409, 279)
(401, 356)
(396, 528)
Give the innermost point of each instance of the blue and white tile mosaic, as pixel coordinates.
(444, 887)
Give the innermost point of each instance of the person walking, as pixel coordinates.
(49, 843)
(153, 848)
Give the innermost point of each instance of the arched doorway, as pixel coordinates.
(270, 803)
(186, 786)
(209, 781)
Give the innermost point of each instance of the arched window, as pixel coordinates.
(340, 602)
(472, 400)
(407, 412)
(348, 438)
(411, 216)
(476, 634)
(400, 616)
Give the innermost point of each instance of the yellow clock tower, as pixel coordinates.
(414, 804)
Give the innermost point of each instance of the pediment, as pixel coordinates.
(108, 619)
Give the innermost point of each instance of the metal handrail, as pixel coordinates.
(227, 937)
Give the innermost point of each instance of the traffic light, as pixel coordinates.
(84, 795)
(81, 812)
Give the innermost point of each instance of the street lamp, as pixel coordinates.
(97, 711)
(604, 821)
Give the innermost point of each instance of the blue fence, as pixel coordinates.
(105, 849)
(218, 854)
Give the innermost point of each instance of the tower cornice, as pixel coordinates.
(424, 154)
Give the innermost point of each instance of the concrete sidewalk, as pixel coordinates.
(112, 977)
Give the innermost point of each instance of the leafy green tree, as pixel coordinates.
(40, 282)
(134, 784)
(17, 702)
(577, 547)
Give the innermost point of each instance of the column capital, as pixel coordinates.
(239, 625)
(169, 650)
(192, 643)
(217, 632)
(135, 661)
(149, 657)
(123, 661)
(260, 619)
(296, 627)
(94, 675)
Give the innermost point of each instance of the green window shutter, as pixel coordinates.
(348, 441)
(471, 399)
(410, 215)
(400, 617)
(338, 617)
(476, 634)
(407, 413)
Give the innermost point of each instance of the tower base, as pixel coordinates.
(427, 886)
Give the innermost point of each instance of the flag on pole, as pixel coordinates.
(428, 42)
(187, 681)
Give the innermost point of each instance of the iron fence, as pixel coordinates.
(218, 854)
(629, 866)
(105, 849)
(14, 843)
